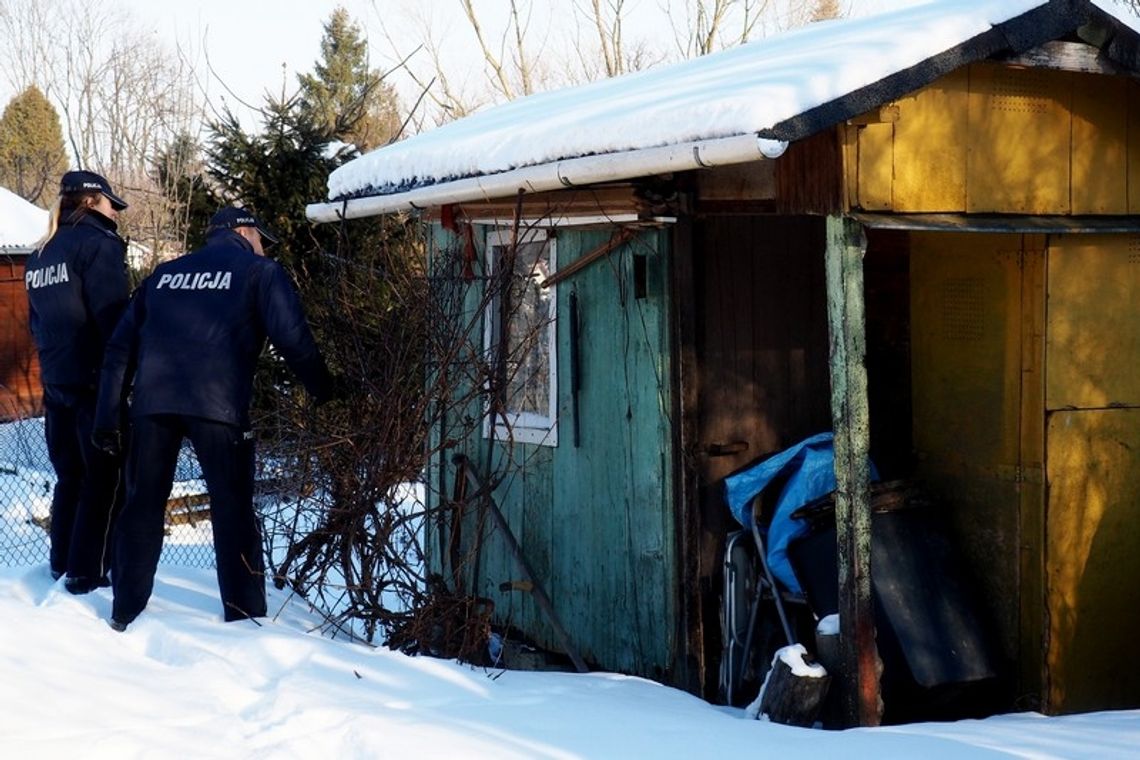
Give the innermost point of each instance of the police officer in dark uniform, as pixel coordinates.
(77, 289)
(188, 343)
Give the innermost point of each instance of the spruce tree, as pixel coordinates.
(32, 155)
(344, 273)
(275, 173)
(366, 297)
(344, 95)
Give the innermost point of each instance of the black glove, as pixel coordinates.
(108, 441)
(344, 388)
(337, 388)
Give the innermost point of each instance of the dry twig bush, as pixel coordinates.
(343, 527)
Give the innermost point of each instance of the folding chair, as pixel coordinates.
(749, 587)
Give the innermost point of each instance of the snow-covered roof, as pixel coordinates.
(21, 223)
(781, 88)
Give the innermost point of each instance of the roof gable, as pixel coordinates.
(1017, 34)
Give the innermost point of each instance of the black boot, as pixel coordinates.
(85, 584)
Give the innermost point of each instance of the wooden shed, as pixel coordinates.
(936, 254)
(20, 394)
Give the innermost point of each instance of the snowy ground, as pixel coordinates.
(180, 683)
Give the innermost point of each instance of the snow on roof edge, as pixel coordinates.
(795, 75)
(22, 224)
(557, 175)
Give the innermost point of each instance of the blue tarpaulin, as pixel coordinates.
(809, 468)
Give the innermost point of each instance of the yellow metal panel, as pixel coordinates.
(1100, 144)
(1133, 147)
(1093, 332)
(965, 314)
(1093, 563)
(876, 166)
(1031, 485)
(1018, 158)
(966, 375)
(930, 147)
(850, 140)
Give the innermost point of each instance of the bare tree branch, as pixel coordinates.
(495, 67)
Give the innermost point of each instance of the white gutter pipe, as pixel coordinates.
(558, 175)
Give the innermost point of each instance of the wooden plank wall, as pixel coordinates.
(761, 336)
(596, 521)
(618, 562)
(20, 392)
(809, 176)
(762, 363)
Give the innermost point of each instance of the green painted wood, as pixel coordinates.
(595, 521)
(438, 473)
(615, 564)
(845, 248)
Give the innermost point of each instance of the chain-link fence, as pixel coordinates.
(340, 489)
(26, 483)
(292, 516)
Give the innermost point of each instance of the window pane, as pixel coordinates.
(528, 335)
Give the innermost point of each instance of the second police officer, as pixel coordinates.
(186, 349)
(77, 288)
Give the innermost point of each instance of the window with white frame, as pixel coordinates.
(520, 338)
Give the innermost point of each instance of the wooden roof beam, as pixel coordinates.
(1079, 57)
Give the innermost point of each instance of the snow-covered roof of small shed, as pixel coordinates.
(22, 224)
(777, 89)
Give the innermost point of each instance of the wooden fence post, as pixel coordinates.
(859, 679)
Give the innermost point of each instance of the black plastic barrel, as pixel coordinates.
(937, 648)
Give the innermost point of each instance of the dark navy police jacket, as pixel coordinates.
(77, 288)
(191, 335)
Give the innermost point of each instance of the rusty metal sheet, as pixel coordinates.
(965, 311)
(1031, 474)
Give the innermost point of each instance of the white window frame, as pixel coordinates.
(523, 426)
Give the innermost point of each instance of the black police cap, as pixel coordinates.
(231, 216)
(90, 182)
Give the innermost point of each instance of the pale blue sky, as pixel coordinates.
(254, 46)
(287, 32)
(248, 42)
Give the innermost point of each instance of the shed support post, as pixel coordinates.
(859, 679)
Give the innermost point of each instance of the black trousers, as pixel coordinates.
(88, 489)
(226, 457)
